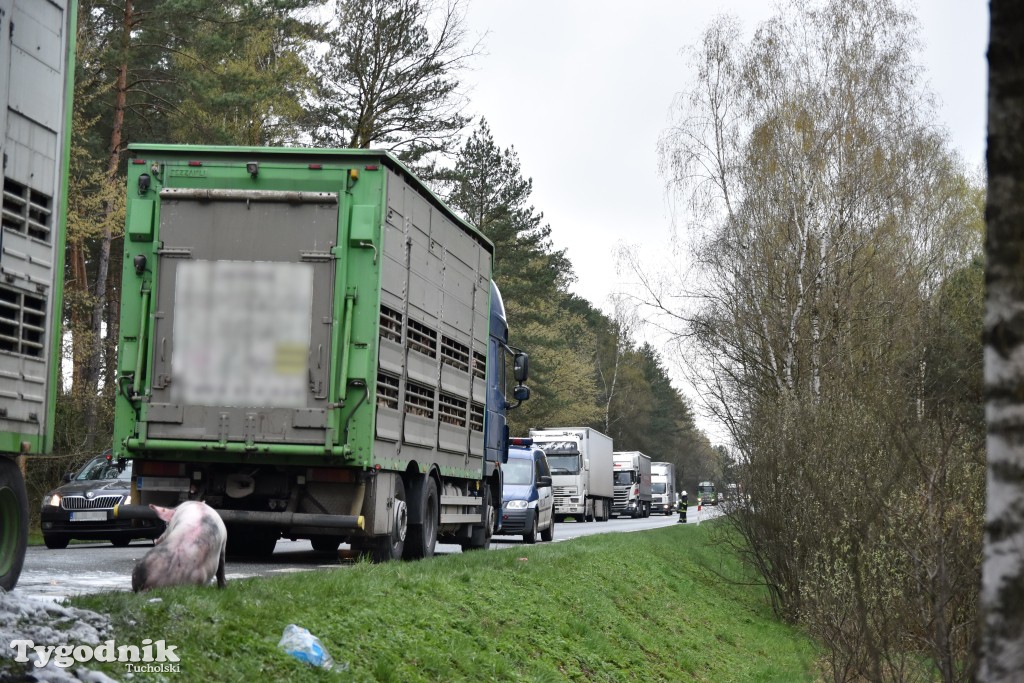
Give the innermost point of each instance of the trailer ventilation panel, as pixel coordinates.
(27, 211)
(22, 322)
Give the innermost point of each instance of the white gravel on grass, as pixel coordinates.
(47, 623)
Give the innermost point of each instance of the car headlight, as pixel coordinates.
(517, 505)
(53, 501)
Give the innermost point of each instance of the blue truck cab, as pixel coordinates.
(527, 505)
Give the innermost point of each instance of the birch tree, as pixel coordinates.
(1003, 575)
(611, 355)
(828, 219)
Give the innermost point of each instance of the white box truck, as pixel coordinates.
(632, 484)
(581, 470)
(663, 487)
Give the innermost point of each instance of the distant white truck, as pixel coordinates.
(663, 487)
(632, 484)
(580, 459)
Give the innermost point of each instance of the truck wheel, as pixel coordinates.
(421, 539)
(326, 544)
(251, 542)
(13, 523)
(548, 534)
(392, 546)
(531, 535)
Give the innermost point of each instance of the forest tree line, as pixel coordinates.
(378, 73)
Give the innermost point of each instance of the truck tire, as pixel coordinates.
(326, 544)
(421, 538)
(251, 542)
(13, 523)
(392, 546)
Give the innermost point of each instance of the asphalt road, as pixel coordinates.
(84, 568)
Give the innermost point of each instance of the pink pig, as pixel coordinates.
(190, 551)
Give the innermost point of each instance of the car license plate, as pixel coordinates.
(89, 516)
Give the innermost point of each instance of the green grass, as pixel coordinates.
(647, 606)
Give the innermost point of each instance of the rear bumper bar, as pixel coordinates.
(281, 520)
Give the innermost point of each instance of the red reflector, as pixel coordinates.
(520, 441)
(316, 167)
(138, 162)
(195, 163)
(334, 474)
(371, 167)
(153, 468)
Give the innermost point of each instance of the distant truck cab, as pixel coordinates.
(581, 467)
(706, 494)
(663, 488)
(527, 499)
(632, 484)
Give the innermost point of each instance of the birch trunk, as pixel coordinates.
(1002, 583)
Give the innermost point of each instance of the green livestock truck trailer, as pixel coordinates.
(36, 67)
(311, 343)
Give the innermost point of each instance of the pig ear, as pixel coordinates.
(163, 513)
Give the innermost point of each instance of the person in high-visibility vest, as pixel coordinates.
(682, 508)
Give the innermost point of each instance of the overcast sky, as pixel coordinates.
(582, 89)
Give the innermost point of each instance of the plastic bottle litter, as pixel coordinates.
(305, 647)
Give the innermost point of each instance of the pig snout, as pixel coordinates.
(190, 552)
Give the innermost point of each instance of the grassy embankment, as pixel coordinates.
(645, 606)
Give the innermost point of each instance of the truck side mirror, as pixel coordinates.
(521, 367)
(521, 393)
(543, 480)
